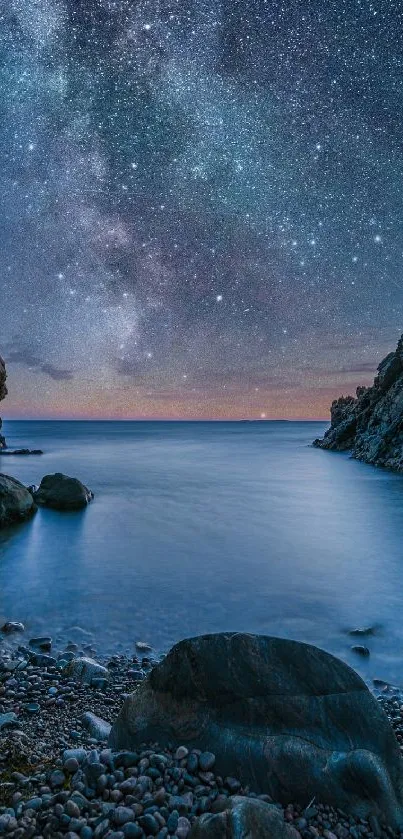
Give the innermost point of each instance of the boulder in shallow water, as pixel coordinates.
(243, 818)
(286, 718)
(62, 493)
(360, 650)
(16, 503)
(12, 626)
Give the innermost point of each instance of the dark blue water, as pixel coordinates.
(200, 527)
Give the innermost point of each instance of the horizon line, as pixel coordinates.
(166, 419)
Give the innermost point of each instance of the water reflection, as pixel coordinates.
(202, 527)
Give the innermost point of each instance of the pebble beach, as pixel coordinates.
(59, 779)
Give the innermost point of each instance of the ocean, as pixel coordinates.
(207, 526)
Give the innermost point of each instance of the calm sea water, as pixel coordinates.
(200, 527)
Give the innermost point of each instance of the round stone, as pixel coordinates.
(72, 809)
(122, 815)
(71, 765)
(206, 761)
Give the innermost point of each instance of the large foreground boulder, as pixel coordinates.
(243, 818)
(62, 493)
(286, 718)
(16, 503)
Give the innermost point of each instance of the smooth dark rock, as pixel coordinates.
(287, 718)
(62, 493)
(42, 643)
(206, 761)
(362, 633)
(362, 651)
(98, 728)
(12, 626)
(371, 423)
(43, 660)
(243, 818)
(16, 503)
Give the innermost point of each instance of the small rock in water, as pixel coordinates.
(61, 492)
(362, 632)
(143, 647)
(43, 643)
(379, 683)
(362, 651)
(12, 626)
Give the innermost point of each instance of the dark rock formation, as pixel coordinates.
(3, 376)
(243, 818)
(371, 425)
(20, 451)
(3, 393)
(62, 493)
(16, 503)
(287, 718)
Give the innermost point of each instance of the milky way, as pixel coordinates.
(201, 204)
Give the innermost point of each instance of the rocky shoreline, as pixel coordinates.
(4, 449)
(370, 425)
(58, 778)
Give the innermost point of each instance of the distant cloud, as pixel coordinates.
(363, 367)
(56, 372)
(23, 355)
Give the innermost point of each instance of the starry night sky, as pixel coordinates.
(201, 204)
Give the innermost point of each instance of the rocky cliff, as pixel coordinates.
(3, 393)
(371, 424)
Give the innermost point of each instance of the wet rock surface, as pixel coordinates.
(16, 503)
(57, 780)
(290, 719)
(370, 425)
(62, 493)
(241, 817)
